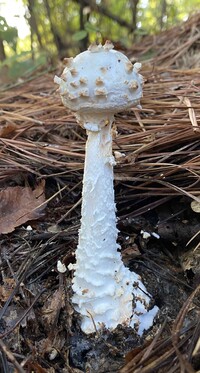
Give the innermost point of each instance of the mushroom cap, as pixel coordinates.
(100, 79)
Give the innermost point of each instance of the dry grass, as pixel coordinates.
(160, 141)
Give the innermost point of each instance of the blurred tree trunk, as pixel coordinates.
(57, 39)
(82, 20)
(102, 9)
(2, 51)
(163, 13)
(33, 23)
(134, 5)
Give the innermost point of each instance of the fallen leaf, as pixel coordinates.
(195, 206)
(34, 366)
(6, 289)
(130, 253)
(10, 322)
(133, 353)
(7, 129)
(190, 260)
(52, 345)
(19, 205)
(52, 307)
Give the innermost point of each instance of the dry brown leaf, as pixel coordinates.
(6, 289)
(190, 260)
(52, 307)
(35, 367)
(20, 204)
(130, 253)
(7, 129)
(134, 352)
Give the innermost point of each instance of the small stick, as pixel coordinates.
(11, 357)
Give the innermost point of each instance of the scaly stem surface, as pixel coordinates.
(103, 286)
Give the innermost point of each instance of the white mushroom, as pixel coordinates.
(106, 293)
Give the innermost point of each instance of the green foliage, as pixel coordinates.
(64, 26)
(65, 17)
(8, 33)
(79, 35)
(21, 65)
(89, 28)
(150, 13)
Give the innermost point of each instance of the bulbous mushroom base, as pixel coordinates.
(107, 301)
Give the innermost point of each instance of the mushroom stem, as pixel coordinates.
(98, 208)
(103, 286)
(95, 85)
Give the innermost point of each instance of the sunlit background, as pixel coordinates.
(39, 32)
(14, 13)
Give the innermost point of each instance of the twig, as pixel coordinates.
(11, 357)
(23, 316)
